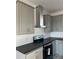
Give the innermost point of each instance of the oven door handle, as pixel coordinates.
(47, 44)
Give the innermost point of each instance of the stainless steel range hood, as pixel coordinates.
(38, 13)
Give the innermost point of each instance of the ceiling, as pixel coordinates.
(48, 5)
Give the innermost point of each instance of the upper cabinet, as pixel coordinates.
(24, 18)
(53, 23)
(57, 23)
(47, 22)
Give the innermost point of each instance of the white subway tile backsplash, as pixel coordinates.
(38, 31)
(46, 35)
(28, 38)
(56, 34)
(24, 39)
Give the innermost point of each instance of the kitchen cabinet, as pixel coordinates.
(24, 18)
(36, 54)
(58, 49)
(47, 23)
(57, 23)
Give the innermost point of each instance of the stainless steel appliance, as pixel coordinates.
(38, 38)
(47, 48)
(39, 23)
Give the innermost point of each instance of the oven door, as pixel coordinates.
(48, 52)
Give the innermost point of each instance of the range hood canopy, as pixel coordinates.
(39, 21)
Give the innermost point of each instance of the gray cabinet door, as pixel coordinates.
(47, 23)
(58, 49)
(57, 23)
(24, 19)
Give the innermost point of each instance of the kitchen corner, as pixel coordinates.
(39, 34)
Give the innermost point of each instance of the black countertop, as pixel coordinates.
(32, 46)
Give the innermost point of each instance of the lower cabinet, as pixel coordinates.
(58, 49)
(36, 54)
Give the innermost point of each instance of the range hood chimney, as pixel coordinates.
(38, 13)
